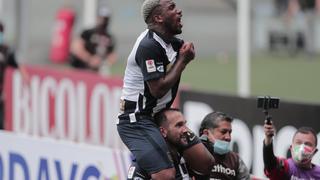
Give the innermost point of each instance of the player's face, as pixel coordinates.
(176, 128)
(222, 132)
(172, 17)
(306, 139)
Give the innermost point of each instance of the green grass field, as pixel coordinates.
(292, 78)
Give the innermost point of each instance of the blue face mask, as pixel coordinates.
(221, 147)
(1, 38)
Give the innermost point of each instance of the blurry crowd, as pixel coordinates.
(301, 25)
(92, 50)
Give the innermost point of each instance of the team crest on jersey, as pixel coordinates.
(160, 68)
(151, 67)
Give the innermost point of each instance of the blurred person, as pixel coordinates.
(215, 131)
(281, 6)
(174, 130)
(7, 59)
(294, 6)
(299, 166)
(304, 13)
(94, 49)
(151, 81)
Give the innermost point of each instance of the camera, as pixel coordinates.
(267, 102)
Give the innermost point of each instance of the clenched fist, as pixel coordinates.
(269, 132)
(187, 52)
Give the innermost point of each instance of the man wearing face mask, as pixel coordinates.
(215, 131)
(299, 166)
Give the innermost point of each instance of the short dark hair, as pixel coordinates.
(160, 117)
(213, 119)
(307, 130)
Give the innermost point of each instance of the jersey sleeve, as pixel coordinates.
(280, 171)
(192, 139)
(243, 172)
(274, 167)
(151, 61)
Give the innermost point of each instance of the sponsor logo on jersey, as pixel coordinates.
(221, 169)
(151, 67)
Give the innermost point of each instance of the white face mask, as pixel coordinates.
(302, 154)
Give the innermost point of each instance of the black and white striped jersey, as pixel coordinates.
(182, 172)
(150, 58)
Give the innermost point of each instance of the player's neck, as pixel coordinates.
(163, 33)
(173, 151)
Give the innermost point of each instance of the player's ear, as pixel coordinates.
(205, 132)
(158, 18)
(163, 131)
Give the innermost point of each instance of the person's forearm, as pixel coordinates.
(269, 159)
(78, 50)
(111, 59)
(161, 86)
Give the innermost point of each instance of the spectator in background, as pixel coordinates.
(7, 59)
(303, 5)
(215, 131)
(94, 49)
(303, 148)
(304, 13)
(281, 6)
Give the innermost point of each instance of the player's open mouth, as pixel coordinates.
(184, 138)
(179, 22)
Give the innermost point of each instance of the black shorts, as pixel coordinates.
(146, 143)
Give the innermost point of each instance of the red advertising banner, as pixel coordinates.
(63, 104)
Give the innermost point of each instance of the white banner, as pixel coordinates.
(64, 104)
(26, 158)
